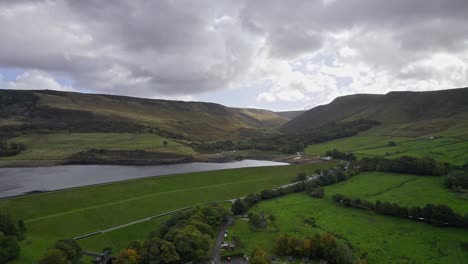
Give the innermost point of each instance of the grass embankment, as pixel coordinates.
(444, 149)
(60, 146)
(382, 239)
(67, 214)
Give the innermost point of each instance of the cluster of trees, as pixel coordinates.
(10, 233)
(336, 154)
(63, 252)
(457, 179)
(260, 220)
(340, 173)
(437, 215)
(10, 149)
(405, 164)
(185, 237)
(324, 246)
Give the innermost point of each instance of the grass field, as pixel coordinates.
(404, 189)
(382, 239)
(444, 149)
(60, 146)
(70, 213)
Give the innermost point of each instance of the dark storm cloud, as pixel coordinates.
(148, 48)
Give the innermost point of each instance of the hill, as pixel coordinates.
(77, 112)
(408, 113)
(290, 114)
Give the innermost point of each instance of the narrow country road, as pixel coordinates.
(219, 241)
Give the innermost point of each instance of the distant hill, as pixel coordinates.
(290, 114)
(54, 110)
(426, 111)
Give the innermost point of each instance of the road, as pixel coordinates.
(220, 239)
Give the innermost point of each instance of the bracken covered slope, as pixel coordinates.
(441, 109)
(95, 112)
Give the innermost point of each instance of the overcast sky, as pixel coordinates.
(272, 54)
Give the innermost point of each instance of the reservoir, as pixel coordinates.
(19, 181)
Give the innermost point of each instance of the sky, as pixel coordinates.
(271, 54)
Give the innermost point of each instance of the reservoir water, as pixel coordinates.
(18, 181)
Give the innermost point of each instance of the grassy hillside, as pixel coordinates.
(382, 239)
(290, 114)
(445, 149)
(70, 213)
(78, 112)
(59, 146)
(400, 113)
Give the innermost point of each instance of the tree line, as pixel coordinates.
(186, 236)
(325, 177)
(320, 246)
(10, 233)
(336, 154)
(405, 164)
(65, 251)
(437, 215)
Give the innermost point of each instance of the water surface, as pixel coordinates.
(18, 181)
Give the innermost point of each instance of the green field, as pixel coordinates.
(444, 149)
(384, 239)
(70, 213)
(404, 189)
(60, 145)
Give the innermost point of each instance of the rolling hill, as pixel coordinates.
(77, 112)
(290, 114)
(400, 113)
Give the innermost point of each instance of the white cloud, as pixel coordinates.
(266, 97)
(306, 51)
(35, 80)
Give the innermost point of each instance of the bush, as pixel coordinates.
(317, 192)
(9, 248)
(458, 178)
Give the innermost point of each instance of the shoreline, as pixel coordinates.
(211, 158)
(41, 192)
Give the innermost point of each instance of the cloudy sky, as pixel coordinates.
(272, 54)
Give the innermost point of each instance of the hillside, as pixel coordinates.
(290, 114)
(409, 113)
(77, 112)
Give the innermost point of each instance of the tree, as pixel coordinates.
(9, 248)
(301, 176)
(191, 244)
(127, 256)
(259, 256)
(281, 245)
(158, 251)
(165, 143)
(8, 226)
(391, 144)
(70, 248)
(54, 256)
(257, 220)
(239, 207)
